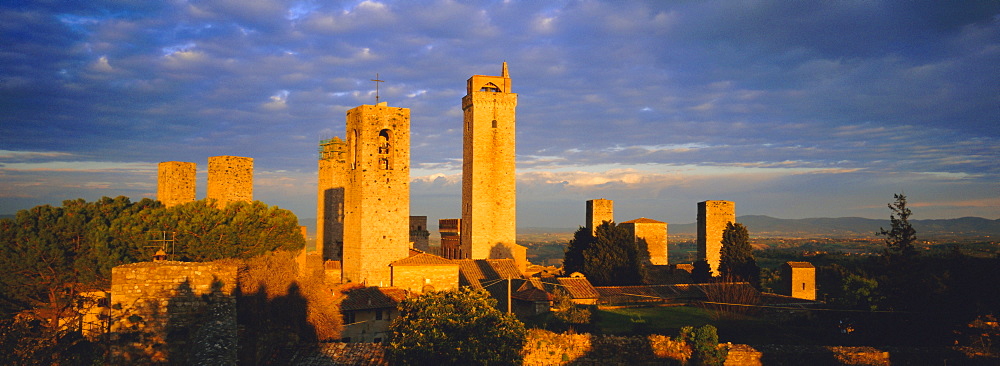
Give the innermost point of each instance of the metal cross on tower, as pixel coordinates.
(376, 80)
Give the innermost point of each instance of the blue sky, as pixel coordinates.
(791, 109)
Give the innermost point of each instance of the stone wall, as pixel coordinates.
(175, 182)
(712, 219)
(230, 179)
(157, 307)
(419, 235)
(330, 198)
(599, 211)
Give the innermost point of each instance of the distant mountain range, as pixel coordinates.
(840, 227)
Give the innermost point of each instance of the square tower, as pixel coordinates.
(712, 219)
(419, 236)
(652, 237)
(330, 202)
(377, 194)
(799, 280)
(175, 182)
(451, 238)
(489, 199)
(599, 211)
(230, 179)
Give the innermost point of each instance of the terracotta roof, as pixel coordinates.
(329, 354)
(331, 265)
(532, 290)
(472, 272)
(372, 298)
(423, 259)
(800, 264)
(643, 220)
(578, 287)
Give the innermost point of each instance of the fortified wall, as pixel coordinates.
(157, 307)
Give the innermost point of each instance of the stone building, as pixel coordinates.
(377, 193)
(368, 311)
(599, 211)
(489, 212)
(798, 280)
(422, 272)
(651, 235)
(712, 219)
(175, 182)
(230, 179)
(419, 235)
(330, 198)
(451, 238)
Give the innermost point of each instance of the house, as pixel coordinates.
(368, 311)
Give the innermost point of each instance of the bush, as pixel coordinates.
(704, 343)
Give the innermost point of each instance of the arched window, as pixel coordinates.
(385, 154)
(490, 87)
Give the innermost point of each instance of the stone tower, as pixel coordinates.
(799, 280)
(451, 233)
(377, 194)
(419, 235)
(489, 217)
(330, 202)
(652, 237)
(230, 179)
(175, 183)
(712, 219)
(599, 211)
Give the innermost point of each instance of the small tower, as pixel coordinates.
(652, 237)
(330, 202)
(230, 179)
(175, 182)
(599, 211)
(419, 236)
(799, 280)
(377, 194)
(712, 219)
(489, 197)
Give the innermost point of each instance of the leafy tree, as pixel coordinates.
(567, 311)
(702, 272)
(460, 327)
(901, 238)
(704, 343)
(581, 242)
(737, 259)
(613, 259)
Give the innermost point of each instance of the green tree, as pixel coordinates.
(901, 238)
(460, 327)
(737, 260)
(581, 242)
(613, 259)
(704, 343)
(567, 311)
(702, 272)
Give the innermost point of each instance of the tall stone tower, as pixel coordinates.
(175, 182)
(599, 211)
(798, 280)
(489, 215)
(377, 194)
(712, 219)
(330, 203)
(230, 179)
(652, 237)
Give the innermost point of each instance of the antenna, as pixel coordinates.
(376, 80)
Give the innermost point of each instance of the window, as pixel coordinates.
(349, 317)
(378, 314)
(385, 149)
(494, 123)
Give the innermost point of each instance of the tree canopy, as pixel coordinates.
(737, 260)
(901, 238)
(459, 327)
(609, 258)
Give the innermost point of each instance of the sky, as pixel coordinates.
(792, 109)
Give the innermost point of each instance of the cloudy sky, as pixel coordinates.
(791, 109)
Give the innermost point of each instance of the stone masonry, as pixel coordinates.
(155, 305)
(712, 219)
(489, 214)
(419, 235)
(330, 202)
(451, 235)
(377, 194)
(175, 182)
(652, 236)
(599, 211)
(230, 179)
(798, 280)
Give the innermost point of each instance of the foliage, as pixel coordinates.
(726, 299)
(609, 258)
(704, 342)
(901, 238)
(27, 341)
(567, 311)
(461, 327)
(702, 272)
(737, 259)
(861, 292)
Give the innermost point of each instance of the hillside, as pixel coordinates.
(845, 227)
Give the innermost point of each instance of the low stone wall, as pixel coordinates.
(156, 307)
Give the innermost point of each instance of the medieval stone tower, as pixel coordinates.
(230, 179)
(175, 183)
(330, 204)
(712, 219)
(651, 235)
(798, 280)
(599, 211)
(489, 217)
(377, 193)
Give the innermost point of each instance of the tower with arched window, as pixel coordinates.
(377, 193)
(489, 210)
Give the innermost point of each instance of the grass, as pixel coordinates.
(661, 320)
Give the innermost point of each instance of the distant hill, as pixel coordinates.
(766, 226)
